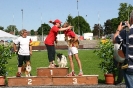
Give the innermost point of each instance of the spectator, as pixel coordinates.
(119, 36)
(23, 51)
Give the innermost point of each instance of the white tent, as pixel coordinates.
(6, 36)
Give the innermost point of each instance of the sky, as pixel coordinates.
(36, 12)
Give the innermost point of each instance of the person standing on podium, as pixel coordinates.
(72, 49)
(51, 39)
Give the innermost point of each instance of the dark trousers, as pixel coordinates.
(120, 75)
(128, 79)
(23, 58)
(51, 52)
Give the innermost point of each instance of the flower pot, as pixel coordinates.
(2, 80)
(109, 79)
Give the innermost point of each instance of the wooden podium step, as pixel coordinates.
(76, 80)
(53, 80)
(45, 71)
(29, 81)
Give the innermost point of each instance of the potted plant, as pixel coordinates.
(105, 53)
(5, 54)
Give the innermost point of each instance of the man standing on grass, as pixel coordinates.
(127, 48)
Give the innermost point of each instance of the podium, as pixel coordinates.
(29, 81)
(44, 71)
(76, 80)
(52, 76)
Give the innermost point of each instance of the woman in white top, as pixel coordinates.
(24, 50)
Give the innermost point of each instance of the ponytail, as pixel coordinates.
(52, 22)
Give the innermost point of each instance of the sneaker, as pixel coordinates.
(80, 73)
(18, 74)
(71, 74)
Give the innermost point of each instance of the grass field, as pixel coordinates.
(39, 59)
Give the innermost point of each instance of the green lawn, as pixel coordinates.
(39, 59)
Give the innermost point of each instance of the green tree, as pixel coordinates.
(114, 24)
(111, 26)
(123, 15)
(12, 28)
(45, 28)
(124, 11)
(108, 27)
(1, 28)
(32, 32)
(96, 29)
(70, 19)
(79, 23)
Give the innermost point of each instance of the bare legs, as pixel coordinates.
(78, 61)
(19, 69)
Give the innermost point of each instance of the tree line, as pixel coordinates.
(82, 26)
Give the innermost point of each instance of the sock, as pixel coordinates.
(81, 70)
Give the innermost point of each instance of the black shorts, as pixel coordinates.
(22, 59)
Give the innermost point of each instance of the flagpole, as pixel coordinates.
(99, 24)
(42, 27)
(13, 24)
(22, 18)
(78, 19)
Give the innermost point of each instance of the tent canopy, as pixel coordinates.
(6, 36)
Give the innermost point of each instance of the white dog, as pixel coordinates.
(61, 60)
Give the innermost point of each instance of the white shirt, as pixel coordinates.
(24, 45)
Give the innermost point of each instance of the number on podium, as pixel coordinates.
(51, 72)
(29, 81)
(75, 81)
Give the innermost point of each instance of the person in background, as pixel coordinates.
(51, 39)
(23, 51)
(119, 36)
(72, 50)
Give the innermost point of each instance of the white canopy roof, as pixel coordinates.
(6, 36)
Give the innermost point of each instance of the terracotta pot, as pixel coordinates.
(2, 80)
(109, 79)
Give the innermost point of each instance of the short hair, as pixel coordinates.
(22, 31)
(131, 14)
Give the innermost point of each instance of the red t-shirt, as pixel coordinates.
(69, 33)
(51, 36)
